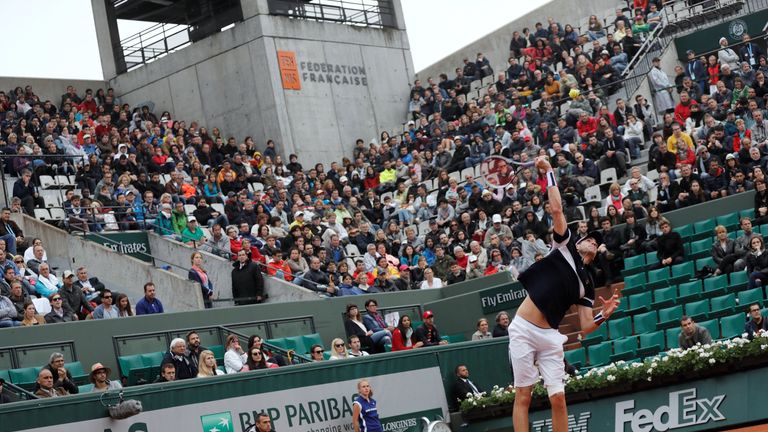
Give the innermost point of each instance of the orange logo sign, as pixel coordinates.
(289, 70)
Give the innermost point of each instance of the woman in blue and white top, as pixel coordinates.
(365, 417)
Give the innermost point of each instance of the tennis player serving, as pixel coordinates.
(553, 284)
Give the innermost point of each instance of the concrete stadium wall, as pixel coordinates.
(50, 89)
(93, 339)
(178, 255)
(232, 80)
(120, 272)
(495, 45)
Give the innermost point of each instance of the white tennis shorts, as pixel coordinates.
(536, 352)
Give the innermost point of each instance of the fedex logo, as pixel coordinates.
(684, 409)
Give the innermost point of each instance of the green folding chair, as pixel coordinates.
(596, 337)
(685, 231)
(218, 352)
(716, 285)
(658, 278)
(79, 376)
(279, 342)
(576, 357)
(722, 305)
(633, 265)
(748, 297)
(672, 337)
(730, 221)
(600, 354)
(669, 317)
(314, 338)
(748, 213)
(651, 343)
(152, 362)
(733, 325)
(703, 229)
(624, 349)
(689, 291)
(25, 378)
(713, 326)
(737, 281)
(664, 297)
(682, 272)
(619, 328)
(297, 344)
(700, 248)
(697, 310)
(639, 303)
(645, 322)
(635, 283)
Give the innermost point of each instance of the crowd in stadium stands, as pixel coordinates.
(398, 215)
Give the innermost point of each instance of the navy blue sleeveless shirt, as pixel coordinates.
(559, 280)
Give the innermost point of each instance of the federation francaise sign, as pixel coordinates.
(294, 72)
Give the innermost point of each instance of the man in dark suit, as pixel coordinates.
(463, 386)
(91, 287)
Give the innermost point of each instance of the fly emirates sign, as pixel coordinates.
(683, 409)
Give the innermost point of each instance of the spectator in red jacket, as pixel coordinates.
(586, 125)
(402, 337)
(683, 109)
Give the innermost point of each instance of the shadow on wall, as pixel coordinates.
(122, 272)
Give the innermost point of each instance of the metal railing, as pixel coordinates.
(153, 43)
(674, 14)
(366, 13)
(184, 26)
(221, 332)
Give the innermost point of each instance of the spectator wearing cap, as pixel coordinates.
(192, 235)
(298, 219)
(496, 228)
(74, 299)
(726, 55)
(427, 333)
(99, 377)
(488, 203)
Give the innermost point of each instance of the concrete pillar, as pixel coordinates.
(397, 14)
(108, 38)
(252, 8)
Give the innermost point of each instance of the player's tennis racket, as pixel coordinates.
(499, 171)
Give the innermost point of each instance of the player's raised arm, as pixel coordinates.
(553, 194)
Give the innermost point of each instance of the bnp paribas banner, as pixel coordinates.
(402, 399)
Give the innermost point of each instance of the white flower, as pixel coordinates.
(712, 361)
(611, 378)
